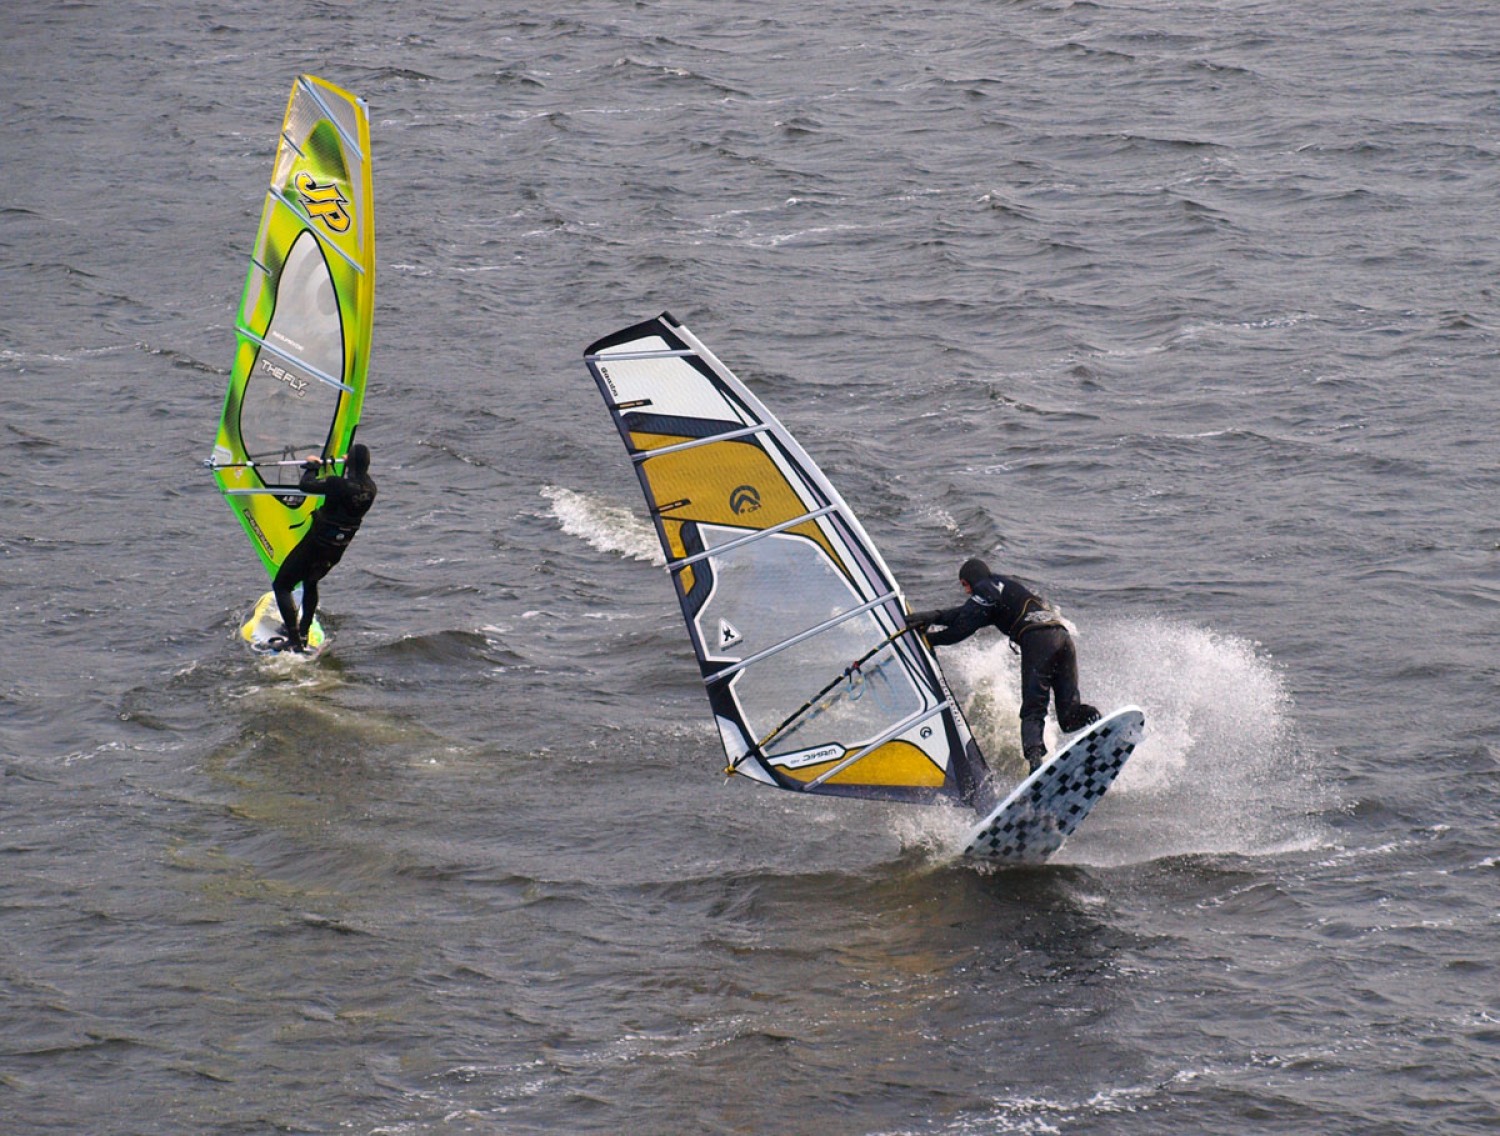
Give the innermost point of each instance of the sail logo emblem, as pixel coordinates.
(744, 499)
(281, 374)
(728, 634)
(802, 759)
(325, 202)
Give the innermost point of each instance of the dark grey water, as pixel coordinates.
(1185, 309)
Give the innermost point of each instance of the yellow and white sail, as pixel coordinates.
(797, 623)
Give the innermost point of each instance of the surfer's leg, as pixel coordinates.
(309, 605)
(1036, 691)
(286, 581)
(1072, 712)
(319, 568)
(287, 606)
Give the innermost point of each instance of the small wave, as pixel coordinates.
(30, 441)
(673, 73)
(386, 75)
(609, 528)
(1280, 322)
(181, 359)
(448, 647)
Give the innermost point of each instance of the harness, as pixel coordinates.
(331, 532)
(338, 519)
(1034, 615)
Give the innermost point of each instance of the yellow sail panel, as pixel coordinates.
(735, 484)
(642, 440)
(796, 621)
(894, 763)
(297, 383)
(725, 483)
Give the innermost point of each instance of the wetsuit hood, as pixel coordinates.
(359, 460)
(973, 571)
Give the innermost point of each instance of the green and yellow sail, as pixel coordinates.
(303, 333)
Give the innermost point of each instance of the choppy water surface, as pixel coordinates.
(1183, 309)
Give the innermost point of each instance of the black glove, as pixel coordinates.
(920, 619)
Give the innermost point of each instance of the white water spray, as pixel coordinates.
(609, 528)
(1221, 769)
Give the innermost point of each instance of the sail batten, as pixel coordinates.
(269, 492)
(758, 534)
(828, 625)
(629, 356)
(280, 198)
(351, 141)
(727, 436)
(265, 345)
(797, 623)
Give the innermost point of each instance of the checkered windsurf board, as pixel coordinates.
(1031, 823)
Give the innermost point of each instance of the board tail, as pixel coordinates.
(1043, 810)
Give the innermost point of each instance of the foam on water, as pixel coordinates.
(1222, 768)
(609, 528)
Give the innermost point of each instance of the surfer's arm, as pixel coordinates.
(939, 615)
(957, 623)
(331, 486)
(922, 618)
(310, 470)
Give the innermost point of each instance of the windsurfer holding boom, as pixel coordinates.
(1049, 663)
(346, 500)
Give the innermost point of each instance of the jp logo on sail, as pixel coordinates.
(325, 202)
(744, 499)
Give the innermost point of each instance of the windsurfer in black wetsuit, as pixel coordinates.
(1049, 664)
(346, 500)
